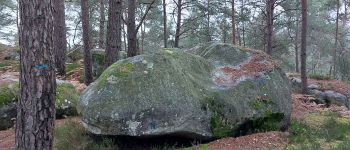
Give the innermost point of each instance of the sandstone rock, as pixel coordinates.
(216, 91)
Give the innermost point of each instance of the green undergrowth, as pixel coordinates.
(66, 100)
(10, 63)
(8, 95)
(71, 67)
(325, 131)
(72, 136)
(319, 76)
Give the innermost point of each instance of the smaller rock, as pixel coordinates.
(336, 98)
(7, 112)
(312, 87)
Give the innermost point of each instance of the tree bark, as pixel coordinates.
(269, 20)
(36, 106)
(243, 23)
(114, 28)
(101, 42)
(178, 23)
(303, 47)
(208, 21)
(233, 22)
(296, 47)
(336, 41)
(87, 42)
(165, 35)
(132, 47)
(60, 38)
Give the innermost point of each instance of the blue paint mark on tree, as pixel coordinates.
(41, 66)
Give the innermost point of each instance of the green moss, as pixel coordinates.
(319, 131)
(218, 126)
(319, 76)
(98, 57)
(117, 70)
(73, 136)
(71, 67)
(7, 95)
(66, 100)
(123, 70)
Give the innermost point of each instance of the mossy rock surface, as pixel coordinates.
(8, 98)
(66, 100)
(176, 92)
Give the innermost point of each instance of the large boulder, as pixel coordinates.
(218, 90)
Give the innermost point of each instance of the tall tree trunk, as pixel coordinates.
(208, 21)
(336, 41)
(269, 20)
(36, 106)
(114, 27)
(296, 47)
(87, 42)
(345, 16)
(178, 23)
(303, 47)
(243, 23)
(101, 42)
(165, 32)
(224, 32)
(233, 22)
(60, 38)
(132, 47)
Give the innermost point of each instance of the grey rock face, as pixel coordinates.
(209, 93)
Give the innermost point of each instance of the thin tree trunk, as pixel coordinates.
(114, 43)
(269, 20)
(178, 23)
(101, 42)
(124, 38)
(36, 106)
(224, 32)
(233, 22)
(60, 38)
(87, 42)
(132, 47)
(143, 31)
(336, 41)
(296, 47)
(303, 47)
(243, 24)
(345, 16)
(165, 35)
(208, 21)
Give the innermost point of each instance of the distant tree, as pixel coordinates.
(165, 33)
(336, 39)
(114, 28)
(270, 6)
(101, 42)
(303, 46)
(132, 28)
(36, 106)
(87, 42)
(60, 38)
(233, 22)
(178, 33)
